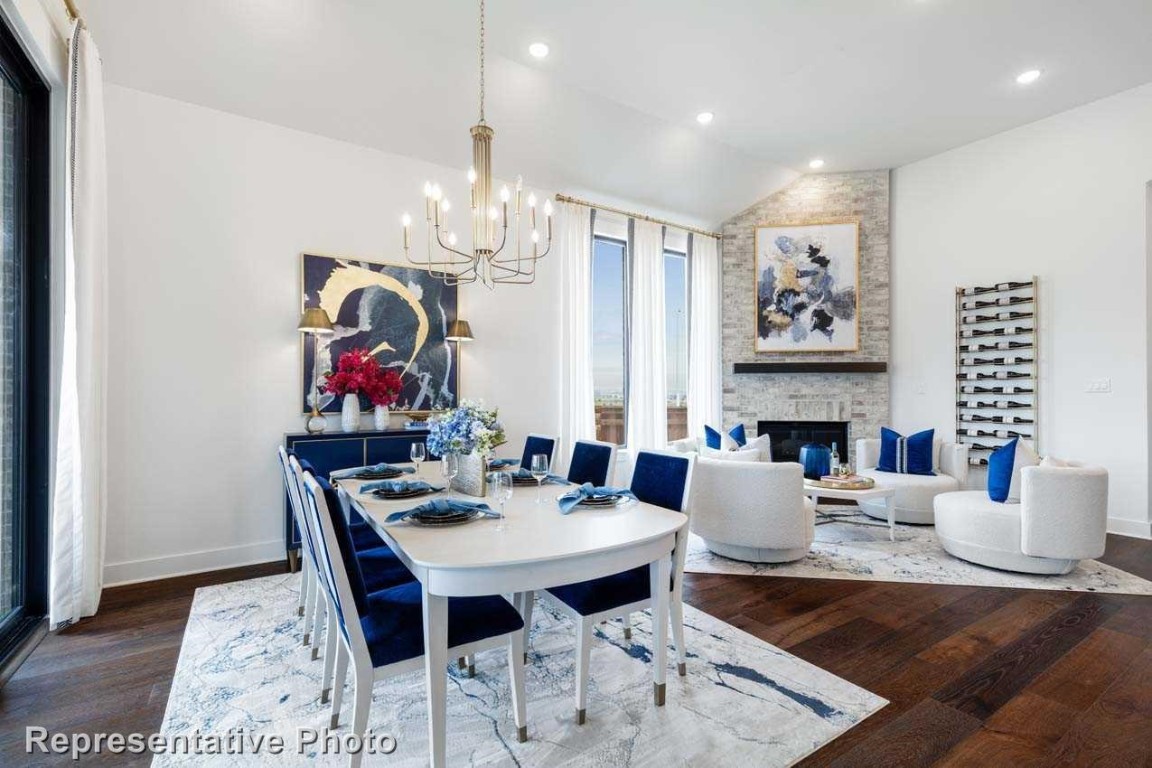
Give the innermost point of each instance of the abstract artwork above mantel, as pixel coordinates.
(399, 314)
(808, 287)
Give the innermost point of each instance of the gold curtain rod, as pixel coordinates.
(632, 215)
(73, 11)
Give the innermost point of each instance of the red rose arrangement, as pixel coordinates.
(359, 373)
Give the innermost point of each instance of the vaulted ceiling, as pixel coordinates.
(859, 83)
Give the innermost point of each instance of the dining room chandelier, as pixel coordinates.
(487, 261)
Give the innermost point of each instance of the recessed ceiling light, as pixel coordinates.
(704, 118)
(1029, 77)
(816, 163)
(538, 50)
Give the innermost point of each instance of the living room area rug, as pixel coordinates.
(744, 702)
(847, 551)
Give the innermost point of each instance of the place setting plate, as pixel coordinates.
(442, 521)
(389, 474)
(387, 495)
(596, 502)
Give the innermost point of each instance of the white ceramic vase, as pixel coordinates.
(380, 417)
(350, 413)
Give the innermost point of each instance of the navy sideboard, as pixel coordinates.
(339, 450)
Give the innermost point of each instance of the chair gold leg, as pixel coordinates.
(334, 722)
(682, 668)
(461, 663)
(627, 633)
(324, 695)
(307, 639)
(658, 692)
(471, 670)
(522, 734)
(300, 610)
(580, 716)
(315, 652)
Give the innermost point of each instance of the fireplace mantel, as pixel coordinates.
(802, 366)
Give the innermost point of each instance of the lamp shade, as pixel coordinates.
(459, 330)
(314, 320)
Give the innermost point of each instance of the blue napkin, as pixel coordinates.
(441, 507)
(524, 474)
(398, 486)
(569, 500)
(501, 463)
(342, 473)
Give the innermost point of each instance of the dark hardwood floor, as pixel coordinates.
(976, 676)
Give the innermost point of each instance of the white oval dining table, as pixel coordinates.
(536, 548)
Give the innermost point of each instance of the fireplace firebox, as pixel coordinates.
(789, 436)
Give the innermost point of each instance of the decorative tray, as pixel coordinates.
(854, 483)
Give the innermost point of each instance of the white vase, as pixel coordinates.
(350, 413)
(380, 417)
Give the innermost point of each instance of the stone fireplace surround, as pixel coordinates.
(861, 399)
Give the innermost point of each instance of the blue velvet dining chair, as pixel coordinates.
(661, 479)
(535, 444)
(381, 633)
(379, 567)
(362, 534)
(593, 462)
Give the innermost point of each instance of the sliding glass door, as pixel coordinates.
(24, 356)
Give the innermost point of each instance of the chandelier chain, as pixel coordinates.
(481, 61)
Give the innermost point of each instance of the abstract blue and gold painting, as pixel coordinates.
(399, 314)
(808, 287)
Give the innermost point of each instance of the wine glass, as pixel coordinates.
(449, 468)
(418, 453)
(501, 485)
(539, 470)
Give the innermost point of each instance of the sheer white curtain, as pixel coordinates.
(577, 400)
(703, 334)
(76, 574)
(647, 377)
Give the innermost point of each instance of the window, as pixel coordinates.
(609, 359)
(24, 360)
(676, 341)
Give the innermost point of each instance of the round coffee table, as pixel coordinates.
(814, 492)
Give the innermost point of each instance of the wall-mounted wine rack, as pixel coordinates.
(997, 366)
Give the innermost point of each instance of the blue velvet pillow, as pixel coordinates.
(906, 455)
(713, 439)
(1000, 466)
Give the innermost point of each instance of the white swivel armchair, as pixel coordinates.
(914, 493)
(1062, 518)
(751, 510)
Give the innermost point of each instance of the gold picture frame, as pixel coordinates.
(772, 229)
(435, 336)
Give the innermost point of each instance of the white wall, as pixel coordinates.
(209, 213)
(1063, 198)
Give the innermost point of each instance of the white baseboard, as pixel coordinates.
(186, 563)
(1139, 529)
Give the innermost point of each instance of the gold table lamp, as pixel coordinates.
(316, 322)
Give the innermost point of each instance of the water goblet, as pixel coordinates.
(501, 485)
(418, 453)
(449, 468)
(539, 470)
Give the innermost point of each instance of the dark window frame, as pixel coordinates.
(32, 369)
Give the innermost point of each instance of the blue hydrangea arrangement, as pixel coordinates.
(469, 428)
